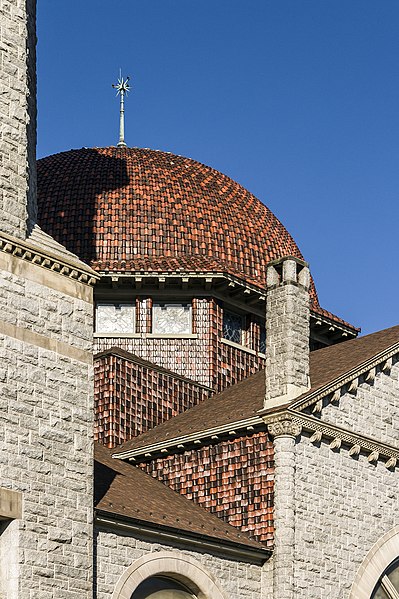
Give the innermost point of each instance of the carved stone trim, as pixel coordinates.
(350, 380)
(286, 427)
(338, 436)
(59, 264)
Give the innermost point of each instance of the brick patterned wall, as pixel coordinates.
(232, 479)
(204, 359)
(18, 117)
(132, 397)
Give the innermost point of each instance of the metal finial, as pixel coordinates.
(122, 88)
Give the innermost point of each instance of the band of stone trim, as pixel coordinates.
(59, 347)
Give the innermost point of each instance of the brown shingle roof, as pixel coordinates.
(245, 399)
(124, 490)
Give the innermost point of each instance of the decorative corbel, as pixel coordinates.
(386, 367)
(354, 451)
(318, 406)
(353, 385)
(391, 463)
(373, 457)
(316, 437)
(336, 443)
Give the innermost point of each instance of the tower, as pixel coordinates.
(46, 361)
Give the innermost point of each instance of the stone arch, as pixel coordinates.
(380, 556)
(182, 568)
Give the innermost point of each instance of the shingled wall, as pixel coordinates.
(232, 479)
(205, 359)
(131, 396)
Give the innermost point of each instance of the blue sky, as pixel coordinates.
(298, 100)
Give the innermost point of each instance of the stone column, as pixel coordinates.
(284, 433)
(18, 117)
(287, 331)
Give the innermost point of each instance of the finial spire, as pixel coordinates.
(122, 88)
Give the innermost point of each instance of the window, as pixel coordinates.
(171, 319)
(262, 339)
(115, 318)
(232, 326)
(388, 585)
(161, 587)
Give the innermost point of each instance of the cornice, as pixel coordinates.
(210, 281)
(29, 252)
(210, 435)
(349, 381)
(357, 443)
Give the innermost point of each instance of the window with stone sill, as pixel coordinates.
(388, 585)
(171, 319)
(233, 329)
(115, 318)
(161, 587)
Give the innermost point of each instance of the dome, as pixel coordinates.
(131, 209)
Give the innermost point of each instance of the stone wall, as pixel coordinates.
(116, 552)
(373, 410)
(342, 507)
(17, 116)
(287, 331)
(46, 415)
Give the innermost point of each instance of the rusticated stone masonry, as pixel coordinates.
(287, 331)
(46, 407)
(17, 116)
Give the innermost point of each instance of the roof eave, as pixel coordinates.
(204, 543)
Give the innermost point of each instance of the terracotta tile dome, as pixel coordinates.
(141, 210)
(136, 209)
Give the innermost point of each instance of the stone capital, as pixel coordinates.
(284, 428)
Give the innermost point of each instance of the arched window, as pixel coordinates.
(162, 587)
(388, 585)
(167, 575)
